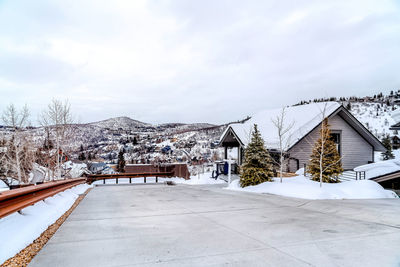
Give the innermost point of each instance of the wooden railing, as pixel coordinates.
(346, 175)
(96, 177)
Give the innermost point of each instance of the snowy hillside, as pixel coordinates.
(376, 117)
(142, 142)
(124, 123)
(377, 113)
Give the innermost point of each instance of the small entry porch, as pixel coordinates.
(233, 148)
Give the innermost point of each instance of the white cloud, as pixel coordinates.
(216, 61)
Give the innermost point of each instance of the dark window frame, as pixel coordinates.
(338, 142)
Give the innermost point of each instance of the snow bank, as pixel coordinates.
(379, 168)
(3, 186)
(19, 230)
(204, 178)
(303, 187)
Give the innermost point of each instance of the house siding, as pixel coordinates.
(355, 150)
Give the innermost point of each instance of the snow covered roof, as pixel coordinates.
(304, 119)
(380, 168)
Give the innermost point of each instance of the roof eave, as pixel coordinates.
(229, 128)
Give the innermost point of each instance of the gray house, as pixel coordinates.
(355, 143)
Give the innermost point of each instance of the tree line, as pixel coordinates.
(18, 154)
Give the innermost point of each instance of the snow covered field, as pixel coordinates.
(200, 179)
(19, 230)
(303, 187)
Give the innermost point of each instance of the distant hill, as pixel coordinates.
(123, 123)
(376, 113)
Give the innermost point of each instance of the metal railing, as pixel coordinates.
(17, 199)
(345, 176)
(96, 177)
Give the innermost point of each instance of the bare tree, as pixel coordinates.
(16, 154)
(58, 119)
(283, 136)
(3, 163)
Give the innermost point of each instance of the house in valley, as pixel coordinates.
(356, 145)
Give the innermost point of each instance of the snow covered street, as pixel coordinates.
(205, 225)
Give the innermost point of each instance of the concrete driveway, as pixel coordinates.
(159, 225)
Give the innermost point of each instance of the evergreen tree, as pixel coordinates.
(388, 154)
(39, 159)
(257, 166)
(348, 106)
(81, 149)
(81, 156)
(48, 144)
(121, 161)
(325, 164)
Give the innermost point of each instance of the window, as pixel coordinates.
(335, 137)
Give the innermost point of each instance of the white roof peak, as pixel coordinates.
(303, 117)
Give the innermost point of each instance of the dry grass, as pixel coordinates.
(287, 174)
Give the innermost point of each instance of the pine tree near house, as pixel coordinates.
(325, 164)
(121, 161)
(388, 154)
(257, 167)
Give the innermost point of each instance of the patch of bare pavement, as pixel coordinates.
(159, 225)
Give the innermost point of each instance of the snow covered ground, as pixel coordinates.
(200, 179)
(19, 230)
(303, 187)
(3, 186)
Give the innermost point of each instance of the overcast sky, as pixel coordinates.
(194, 61)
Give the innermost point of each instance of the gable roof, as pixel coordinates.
(305, 118)
(395, 126)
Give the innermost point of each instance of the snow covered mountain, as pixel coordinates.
(122, 123)
(377, 113)
(376, 117)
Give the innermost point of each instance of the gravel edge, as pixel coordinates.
(26, 255)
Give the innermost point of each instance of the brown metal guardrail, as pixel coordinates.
(96, 177)
(17, 199)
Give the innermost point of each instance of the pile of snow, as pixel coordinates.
(3, 186)
(303, 187)
(19, 230)
(379, 168)
(203, 178)
(200, 179)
